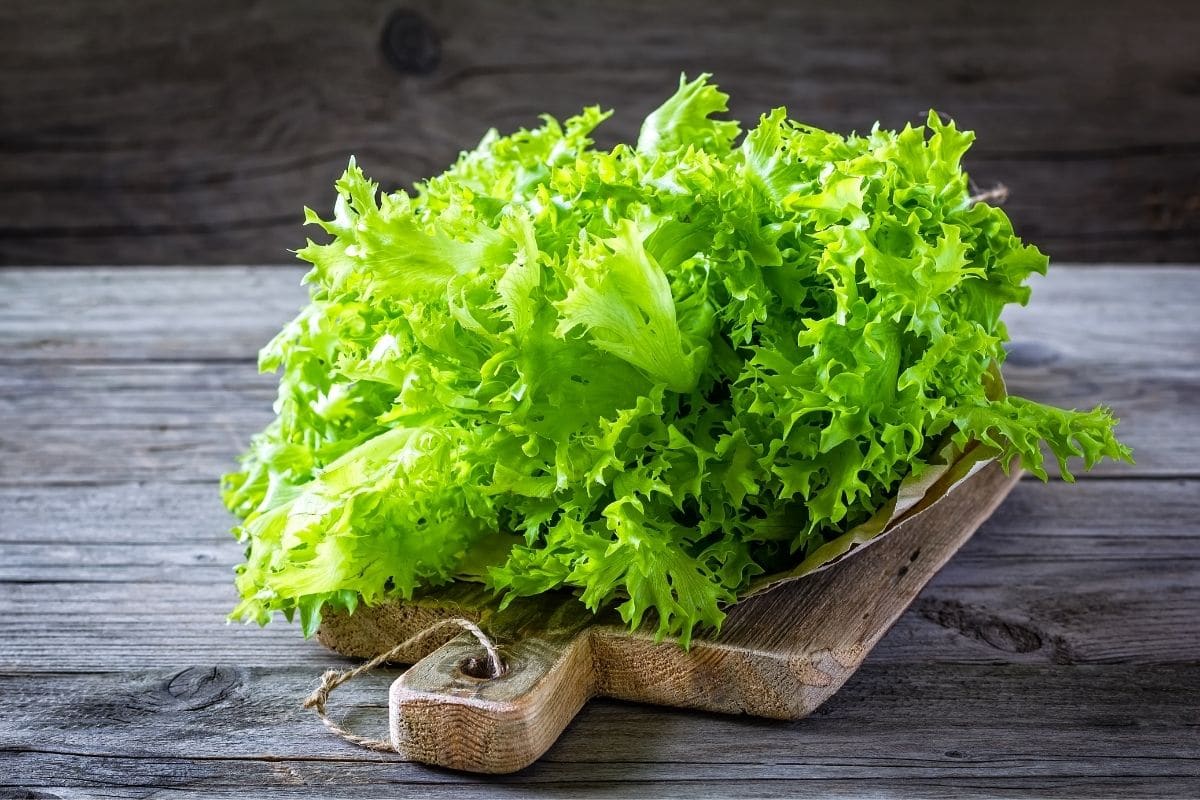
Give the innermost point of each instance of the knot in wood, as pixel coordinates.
(410, 44)
(194, 689)
(481, 668)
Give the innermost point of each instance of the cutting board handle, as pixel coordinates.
(448, 711)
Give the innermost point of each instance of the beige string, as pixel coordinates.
(333, 679)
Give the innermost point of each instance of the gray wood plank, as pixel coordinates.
(114, 385)
(108, 421)
(969, 730)
(1096, 314)
(131, 576)
(144, 314)
(114, 422)
(145, 132)
(1053, 656)
(385, 788)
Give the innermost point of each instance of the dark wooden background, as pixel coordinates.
(151, 131)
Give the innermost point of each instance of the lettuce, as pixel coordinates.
(615, 372)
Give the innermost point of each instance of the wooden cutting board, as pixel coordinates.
(780, 654)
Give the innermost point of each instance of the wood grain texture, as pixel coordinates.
(144, 374)
(130, 576)
(187, 422)
(146, 131)
(1054, 656)
(999, 730)
(442, 714)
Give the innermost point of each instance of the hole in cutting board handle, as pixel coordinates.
(442, 714)
(479, 668)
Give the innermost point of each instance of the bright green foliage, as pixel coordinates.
(645, 375)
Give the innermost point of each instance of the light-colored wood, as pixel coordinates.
(781, 654)
(441, 714)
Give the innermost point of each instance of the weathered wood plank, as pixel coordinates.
(968, 729)
(111, 422)
(102, 397)
(1161, 785)
(1094, 314)
(75, 532)
(150, 314)
(1086, 595)
(143, 132)
(188, 422)
(129, 576)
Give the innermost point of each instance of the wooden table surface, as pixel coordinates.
(1057, 655)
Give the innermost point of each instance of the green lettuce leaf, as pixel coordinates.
(645, 374)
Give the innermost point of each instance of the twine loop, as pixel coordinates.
(333, 678)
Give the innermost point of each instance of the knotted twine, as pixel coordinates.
(333, 678)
